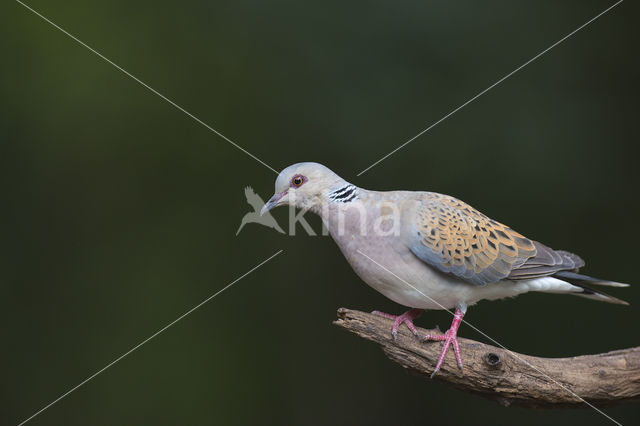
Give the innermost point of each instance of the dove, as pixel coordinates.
(255, 216)
(429, 251)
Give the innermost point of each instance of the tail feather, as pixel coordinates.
(600, 296)
(581, 281)
(595, 281)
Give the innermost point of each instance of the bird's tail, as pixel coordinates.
(585, 281)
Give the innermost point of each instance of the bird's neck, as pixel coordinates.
(344, 192)
(339, 200)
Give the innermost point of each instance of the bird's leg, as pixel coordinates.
(406, 318)
(450, 338)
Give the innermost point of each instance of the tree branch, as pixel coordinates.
(506, 376)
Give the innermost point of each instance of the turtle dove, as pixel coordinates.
(426, 250)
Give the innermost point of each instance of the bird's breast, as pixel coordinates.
(376, 252)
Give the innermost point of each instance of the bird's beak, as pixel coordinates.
(273, 202)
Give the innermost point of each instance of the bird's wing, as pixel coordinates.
(455, 238)
(253, 199)
(547, 261)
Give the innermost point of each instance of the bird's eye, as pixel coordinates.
(297, 180)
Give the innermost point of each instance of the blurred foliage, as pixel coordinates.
(119, 211)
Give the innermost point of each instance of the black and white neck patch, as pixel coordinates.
(344, 194)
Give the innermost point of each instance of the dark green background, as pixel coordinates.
(119, 212)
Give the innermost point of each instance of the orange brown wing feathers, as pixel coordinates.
(456, 238)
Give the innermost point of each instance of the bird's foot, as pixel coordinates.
(450, 337)
(406, 318)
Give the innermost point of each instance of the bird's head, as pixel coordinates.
(303, 185)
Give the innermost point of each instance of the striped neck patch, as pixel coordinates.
(344, 194)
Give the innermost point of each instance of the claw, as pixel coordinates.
(406, 318)
(450, 338)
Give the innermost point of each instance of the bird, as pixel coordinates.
(430, 251)
(256, 216)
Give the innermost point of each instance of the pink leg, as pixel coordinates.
(406, 318)
(450, 338)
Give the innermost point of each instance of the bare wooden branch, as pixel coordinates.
(506, 376)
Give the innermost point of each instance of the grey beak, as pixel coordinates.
(273, 202)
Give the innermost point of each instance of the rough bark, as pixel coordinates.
(506, 376)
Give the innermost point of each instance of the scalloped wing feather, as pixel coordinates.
(547, 261)
(457, 239)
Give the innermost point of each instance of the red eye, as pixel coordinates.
(297, 180)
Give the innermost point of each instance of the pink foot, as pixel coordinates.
(406, 318)
(450, 338)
